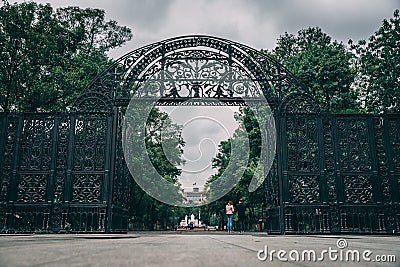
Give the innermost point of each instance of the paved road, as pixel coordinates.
(186, 249)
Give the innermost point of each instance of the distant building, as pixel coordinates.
(192, 222)
(195, 196)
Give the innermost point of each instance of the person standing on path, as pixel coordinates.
(241, 210)
(229, 210)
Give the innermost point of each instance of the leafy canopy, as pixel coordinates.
(49, 56)
(322, 65)
(379, 68)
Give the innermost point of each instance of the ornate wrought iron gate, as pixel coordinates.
(337, 173)
(331, 173)
(55, 171)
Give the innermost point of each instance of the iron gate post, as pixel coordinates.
(111, 159)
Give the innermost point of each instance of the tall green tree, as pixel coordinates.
(322, 65)
(47, 57)
(254, 200)
(379, 67)
(164, 145)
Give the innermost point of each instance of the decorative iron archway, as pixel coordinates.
(180, 58)
(331, 173)
(199, 69)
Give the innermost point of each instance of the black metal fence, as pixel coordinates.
(336, 173)
(57, 174)
(65, 172)
(331, 173)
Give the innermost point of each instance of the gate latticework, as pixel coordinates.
(66, 172)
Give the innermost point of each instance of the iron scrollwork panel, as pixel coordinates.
(90, 142)
(36, 144)
(382, 157)
(304, 189)
(358, 189)
(302, 144)
(8, 157)
(35, 160)
(63, 138)
(32, 188)
(303, 155)
(86, 188)
(354, 148)
(329, 158)
(329, 165)
(195, 74)
(89, 157)
(355, 159)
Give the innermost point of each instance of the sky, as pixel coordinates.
(203, 128)
(257, 23)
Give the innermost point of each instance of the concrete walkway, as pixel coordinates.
(194, 249)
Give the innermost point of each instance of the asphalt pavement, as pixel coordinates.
(192, 249)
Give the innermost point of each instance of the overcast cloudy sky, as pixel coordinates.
(257, 23)
(203, 128)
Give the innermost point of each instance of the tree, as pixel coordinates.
(161, 137)
(322, 65)
(49, 56)
(379, 67)
(254, 200)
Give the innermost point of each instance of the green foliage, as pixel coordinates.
(49, 56)
(254, 200)
(322, 65)
(161, 137)
(379, 68)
